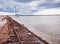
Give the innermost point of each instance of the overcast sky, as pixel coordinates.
(30, 7)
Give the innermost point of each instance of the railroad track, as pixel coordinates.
(21, 35)
(13, 39)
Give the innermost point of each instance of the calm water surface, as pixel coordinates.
(47, 27)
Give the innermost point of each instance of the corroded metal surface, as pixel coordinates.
(18, 34)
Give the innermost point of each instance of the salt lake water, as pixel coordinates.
(47, 27)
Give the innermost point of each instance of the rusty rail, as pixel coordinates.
(22, 34)
(22, 27)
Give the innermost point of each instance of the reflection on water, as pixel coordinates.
(44, 26)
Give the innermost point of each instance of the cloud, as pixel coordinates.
(24, 1)
(7, 6)
(50, 4)
(28, 7)
(51, 11)
(39, 5)
(6, 13)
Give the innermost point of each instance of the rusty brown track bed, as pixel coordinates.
(21, 35)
